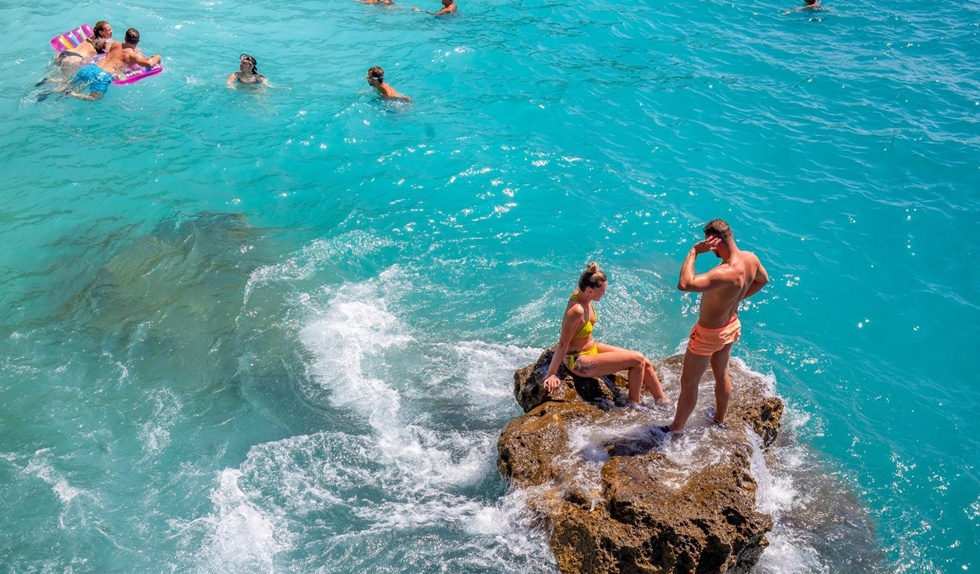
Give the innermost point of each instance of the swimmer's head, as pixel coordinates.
(101, 36)
(247, 64)
(102, 29)
(376, 75)
(132, 36)
(447, 3)
(592, 277)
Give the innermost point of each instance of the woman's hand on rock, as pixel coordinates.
(551, 383)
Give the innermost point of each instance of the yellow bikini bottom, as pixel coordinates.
(570, 356)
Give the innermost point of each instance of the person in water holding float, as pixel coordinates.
(376, 78)
(98, 42)
(585, 357)
(98, 76)
(69, 60)
(739, 276)
(448, 7)
(247, 73)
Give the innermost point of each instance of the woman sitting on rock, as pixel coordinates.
(584, 356)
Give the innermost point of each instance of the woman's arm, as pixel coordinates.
(573, 320)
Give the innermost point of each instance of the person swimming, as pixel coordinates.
(247, 74)
(99, 42)
(448, 7)
(69, 61)
(376, 78)
(98, 77)
(810, 5)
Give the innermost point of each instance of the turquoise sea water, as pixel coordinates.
(275, 330)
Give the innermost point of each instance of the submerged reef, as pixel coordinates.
(617, 495)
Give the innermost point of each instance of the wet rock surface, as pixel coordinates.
(618, 495)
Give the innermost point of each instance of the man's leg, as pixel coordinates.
(694, 367)
(723, 383)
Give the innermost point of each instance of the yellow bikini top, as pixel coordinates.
(586, 329)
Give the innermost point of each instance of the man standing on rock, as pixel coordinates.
(739, 276)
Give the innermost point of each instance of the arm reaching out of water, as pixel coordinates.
(448, 7)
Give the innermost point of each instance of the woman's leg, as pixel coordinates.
(611, 362)
(649, 379)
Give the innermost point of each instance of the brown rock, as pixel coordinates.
(620, 496)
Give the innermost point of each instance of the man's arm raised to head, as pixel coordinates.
(690, 282)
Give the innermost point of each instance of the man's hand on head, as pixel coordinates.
(706, 245)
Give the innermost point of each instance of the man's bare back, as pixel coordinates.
(121, 57)
(731, 282)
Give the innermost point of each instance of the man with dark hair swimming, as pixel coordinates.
(810, 5)
(98, 77)
(376, 78)
(448, 7)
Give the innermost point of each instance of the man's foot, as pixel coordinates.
(709, 413)
(666, 430)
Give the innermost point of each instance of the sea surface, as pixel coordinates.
(275, 329)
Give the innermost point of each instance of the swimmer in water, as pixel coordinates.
(72, 59)
(810, 5)
(448, 7)
(376, 78)
(98, 43)
(98, 77)
(247, 74)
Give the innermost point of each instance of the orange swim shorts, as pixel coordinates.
(706, 342)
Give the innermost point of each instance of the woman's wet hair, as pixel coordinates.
(251, 61)
(97, 30)
(376, 73)
(592, 277)
(100, 44)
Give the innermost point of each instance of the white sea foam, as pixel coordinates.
(261, 508)
(244, 535)
(154, 434)
(401, 471)
(788, 554)
(60, 486)
(76, 503)
(348, 341)
(776, 495)
(488, 369)
(317, 256)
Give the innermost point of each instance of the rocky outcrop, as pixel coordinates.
(617, 495)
